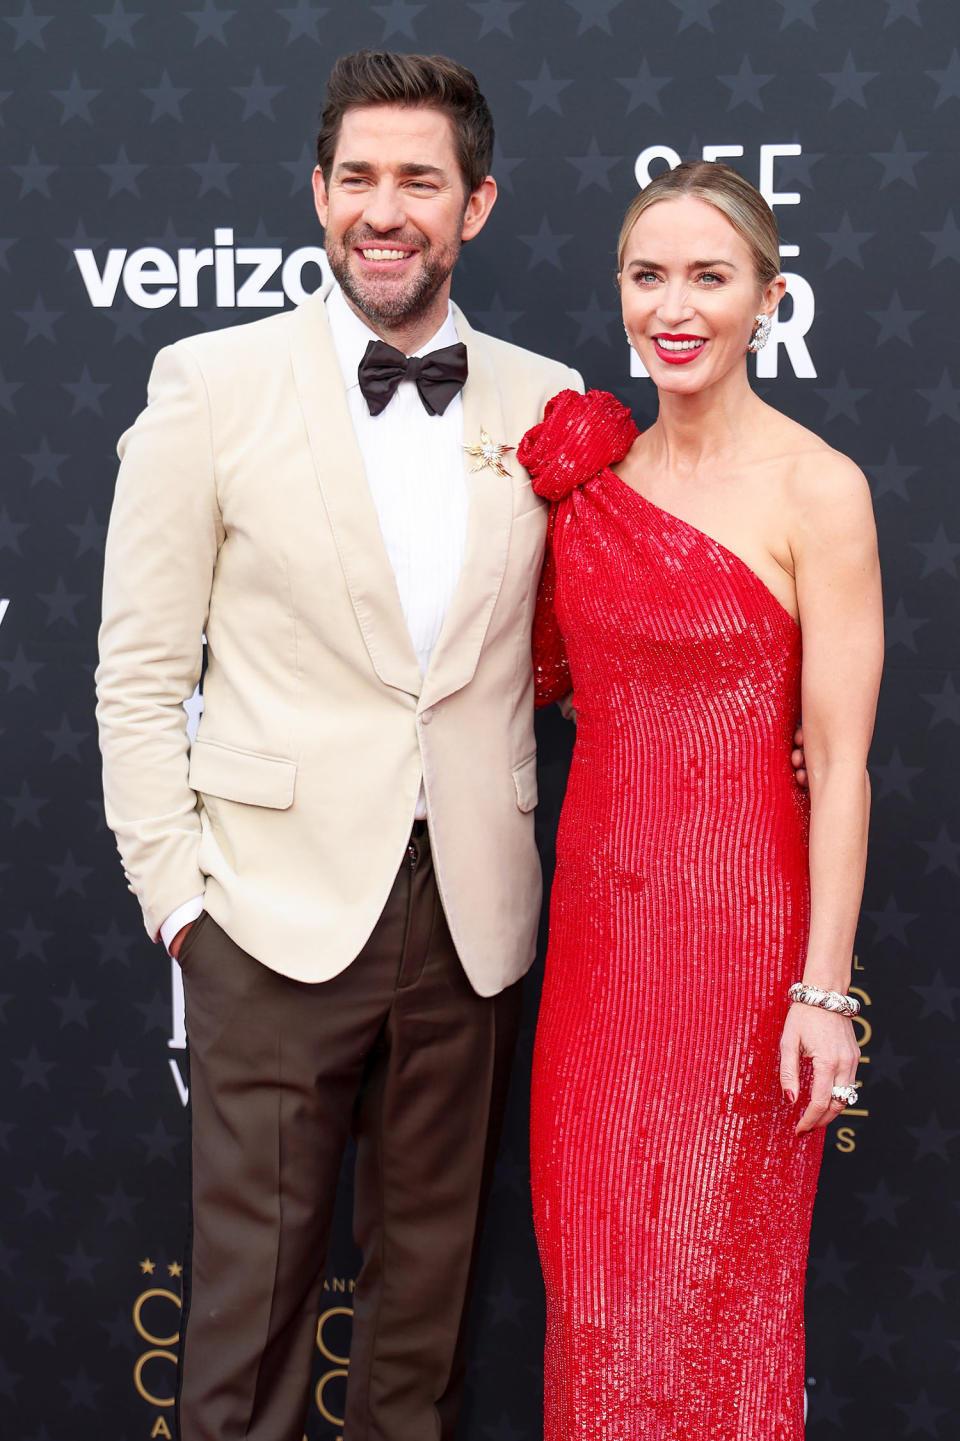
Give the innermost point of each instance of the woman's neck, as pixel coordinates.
(714, 424)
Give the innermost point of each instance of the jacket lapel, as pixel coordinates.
(457, 651)
(353, 518)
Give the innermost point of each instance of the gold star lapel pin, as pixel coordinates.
(489, 454)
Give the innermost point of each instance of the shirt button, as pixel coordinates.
(426, 717)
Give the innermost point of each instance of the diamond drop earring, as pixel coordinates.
(761, 333)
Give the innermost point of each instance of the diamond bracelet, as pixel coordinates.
(826, 1000)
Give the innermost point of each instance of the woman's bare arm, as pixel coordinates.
(838, 591)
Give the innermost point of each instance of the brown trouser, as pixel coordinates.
(400, 1049)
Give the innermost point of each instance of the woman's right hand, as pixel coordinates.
(828, 1040)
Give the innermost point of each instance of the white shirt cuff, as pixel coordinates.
(179, 918)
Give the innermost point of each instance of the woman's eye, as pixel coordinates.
(709, 277)
(646, 277)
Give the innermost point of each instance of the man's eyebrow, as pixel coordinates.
(412, 168)
(364, 167)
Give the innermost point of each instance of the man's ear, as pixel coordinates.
(320, 201)
(479, 205)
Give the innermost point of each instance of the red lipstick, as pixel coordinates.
(679, 349)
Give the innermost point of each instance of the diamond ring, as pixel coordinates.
(846, 1094)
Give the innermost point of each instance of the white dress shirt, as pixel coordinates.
(415, 471)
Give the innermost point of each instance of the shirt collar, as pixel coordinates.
(351, 335)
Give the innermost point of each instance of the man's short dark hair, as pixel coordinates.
(382, 77)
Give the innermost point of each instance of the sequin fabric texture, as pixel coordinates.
(672, 1199)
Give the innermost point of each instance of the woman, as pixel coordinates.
(679, 1095)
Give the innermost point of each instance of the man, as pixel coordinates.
(344, 861)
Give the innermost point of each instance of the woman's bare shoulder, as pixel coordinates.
(813, 472)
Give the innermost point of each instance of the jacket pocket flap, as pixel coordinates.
(525, 780)
(245, 776)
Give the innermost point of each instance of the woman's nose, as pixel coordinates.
(675, 303)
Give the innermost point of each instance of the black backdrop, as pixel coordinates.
(147, 126)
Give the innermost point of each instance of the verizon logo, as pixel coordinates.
(248, 277)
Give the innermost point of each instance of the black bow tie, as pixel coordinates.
(438, 376)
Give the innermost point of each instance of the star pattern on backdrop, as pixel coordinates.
(495, 16)
(545, 90)
(895, 322)
(939, 998)
(545, 246)
(39, 321)
(694, 12)
(902, 10)
(798, 12)
(398, 19)
(210, 22)
(498, 320)
(943, 399)
(61, 604)
(21, 672)
(65, 741)
(127, 125)
(940, 553)
(593, 168)
(948, 80)
(165, 99)
(848, 83)
(28, 27)
(933, 1139)
(34, 175)
(877, 1343)
(842, 399)
(123, 174)
(899, 163)
(891, 922)
(503, 167)
(901, 627)
(214, 173)
(945, 242)
(894, 776)
(927, 1278)
(594, 14)
(302, 20)
(845, 243)
(745, 86)
(922, 1415)
(86, 392)
(76, 101)
(118, 25)
(257, 97)
(943, 853)
(880, 1204)
(891, 475)
(593, 322)
(644, 88)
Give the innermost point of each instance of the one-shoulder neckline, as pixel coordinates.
(704, 535)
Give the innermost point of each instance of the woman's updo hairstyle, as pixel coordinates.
(724, 188)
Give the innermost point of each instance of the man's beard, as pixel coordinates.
(384, 302)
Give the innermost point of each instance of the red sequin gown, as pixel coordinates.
(672, 1199)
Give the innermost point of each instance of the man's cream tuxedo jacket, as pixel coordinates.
(242, 511)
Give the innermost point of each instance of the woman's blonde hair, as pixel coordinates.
(724, 188)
